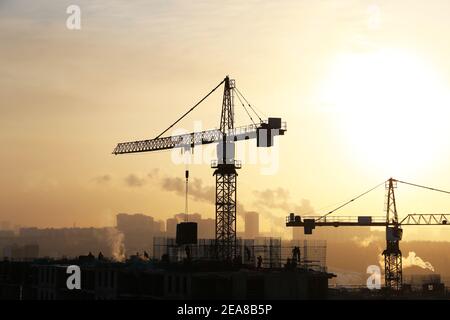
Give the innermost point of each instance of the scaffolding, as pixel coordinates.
(261, 252)
(313, 253)
(423, 281)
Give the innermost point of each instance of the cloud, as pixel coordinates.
(273, 198)
(133, 180)
(266, 202)
(197, 190)
(279, 198)
(173, 184)
(305, 207)
(102, 179)
(271, 201)
(374, 237)
(154, 174)
(40, 182)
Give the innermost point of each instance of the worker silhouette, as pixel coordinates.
(296, 254)
(259, 262)
(247, 253)
(187, 249)
(100, 256)
(288, 263)
(294, 263)
(237, 260)
(165, 258)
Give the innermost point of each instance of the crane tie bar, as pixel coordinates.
(184, 115)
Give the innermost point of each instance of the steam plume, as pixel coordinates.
(115, 239)
(414, 260)
(411, 261)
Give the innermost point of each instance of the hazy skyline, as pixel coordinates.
(363, 86)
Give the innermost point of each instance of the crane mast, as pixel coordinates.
(392, 254)
(226, 180)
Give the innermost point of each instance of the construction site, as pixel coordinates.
(271, 253)
(228, 266)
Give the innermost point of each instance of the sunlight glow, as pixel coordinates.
(391, 107)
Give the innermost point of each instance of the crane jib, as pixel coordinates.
(263, 132)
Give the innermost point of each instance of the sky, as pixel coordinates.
(362, 85)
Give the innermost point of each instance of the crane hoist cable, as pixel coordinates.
(192, 108)
(237, 90)
(350, 201)
(424, 187)
(186, 175)
(249, 115)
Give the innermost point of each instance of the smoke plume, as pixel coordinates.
(414, 260)
(115, 239)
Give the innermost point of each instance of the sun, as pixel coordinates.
(391, 108)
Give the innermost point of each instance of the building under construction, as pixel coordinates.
(272, 270)
(267, 253)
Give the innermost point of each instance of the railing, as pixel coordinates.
(190, 140)
(251, 128)
(410, 219)
(237, 163)
(338, 219)
(426, 219)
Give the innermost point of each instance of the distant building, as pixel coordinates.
(138, 230)
(16, 252)
(192, 217)
(30, 251)
(171, 227)
(5, 226)
(69, 242)
(134, 222)
(207, 229)
(251, 225)
(297, 233)
(159, 227)
(6, 233)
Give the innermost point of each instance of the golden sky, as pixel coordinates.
(363, 86)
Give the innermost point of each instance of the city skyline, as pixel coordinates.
(362, 85)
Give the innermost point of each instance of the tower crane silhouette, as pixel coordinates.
(226, 165)
(393, 274)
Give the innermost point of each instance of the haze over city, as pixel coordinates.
(363, 86)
